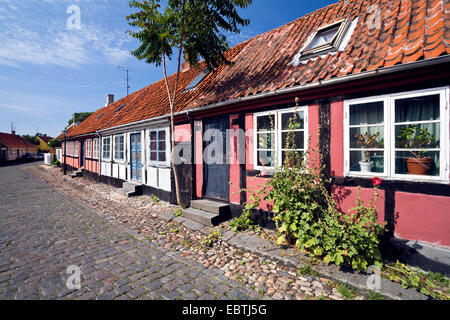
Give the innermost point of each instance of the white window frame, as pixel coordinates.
(389, 141)
(109, 148)
(76, 143)
(123, 148)
(88, 151)
(278, 133)
(168, 145)
(96, 149)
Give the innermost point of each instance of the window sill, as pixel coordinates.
(405, 178)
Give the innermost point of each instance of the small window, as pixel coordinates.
(327, 38)
(88, 148)
(100, 115)
(96, 149)
(158, 146)
(119, 149)
(197, 80)
(106, 148)
(120, 107)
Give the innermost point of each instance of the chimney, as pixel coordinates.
(13, 132)
(109, 99)
(186, 65)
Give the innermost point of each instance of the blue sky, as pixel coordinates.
(48, 72)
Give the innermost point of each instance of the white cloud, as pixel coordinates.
(36, 37)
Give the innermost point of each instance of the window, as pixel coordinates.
(106, 148)
(99, 116)
(75, 153)
(96, 149)
(119, 148)
(88, 148)
(120, 107)
(197, 80)
(158, 146)
(326, 38)
(398, 136)
(271, 133)
(71, 148)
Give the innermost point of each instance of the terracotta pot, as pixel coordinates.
(419, 166)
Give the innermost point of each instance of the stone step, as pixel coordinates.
(211, 206)
(200, 216)
(76, 174)
(130, 189)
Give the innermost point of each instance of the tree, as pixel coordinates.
(79, 117)
(194, 28)
(32, 139)
(54, 143)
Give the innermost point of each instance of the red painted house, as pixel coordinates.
(364, 74)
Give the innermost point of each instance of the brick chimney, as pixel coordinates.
(13, 132)
(109, 99)
(186, 65)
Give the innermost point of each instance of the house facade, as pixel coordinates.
(14, 147)
(368, 82)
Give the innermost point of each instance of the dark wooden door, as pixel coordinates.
(216, 172)
(82, 154)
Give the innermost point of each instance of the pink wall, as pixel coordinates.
(337, 139)
(423, 218)
(199, 159)
(254, 184)
(249, 141)
(346, 197)
(234, 163)
(183, 133)
(313, 130)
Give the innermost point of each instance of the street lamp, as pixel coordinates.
(65, 136)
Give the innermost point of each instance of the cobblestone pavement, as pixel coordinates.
(43, 231)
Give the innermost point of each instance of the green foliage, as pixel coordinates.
(54, 143)
(307, 270)
(178, 212)
(346, 292)
(154, 198)
(412, 137)
(79, 117)
(32, 139)
(307, 214)
(427, 284)
(211, 238)
(373, 295)
(197, 26)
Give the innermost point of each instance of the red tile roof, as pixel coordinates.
(14, 141)
(388, 32)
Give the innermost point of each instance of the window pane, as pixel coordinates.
(299, 123)
(266, 140)
(266, 158)
(367, 137)
(367, 113)
(153, 135)
(153, 146)
(154, 156)
(265, 123)
(162, 146)
(299, 140)
(162, 135)
(417, 109)
(162, 156)
(359, 163)
(407, 163)
(323, 37)
(419, 136)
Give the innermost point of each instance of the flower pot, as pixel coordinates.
(366, 166)
(419, 166)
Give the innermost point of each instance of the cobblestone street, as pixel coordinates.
(43, 231)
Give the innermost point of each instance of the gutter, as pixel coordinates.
(313, 85)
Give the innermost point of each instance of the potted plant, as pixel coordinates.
(416, 138)
(367, 141)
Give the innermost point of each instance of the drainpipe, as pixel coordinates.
(100, 153)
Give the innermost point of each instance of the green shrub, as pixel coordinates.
(178, 212)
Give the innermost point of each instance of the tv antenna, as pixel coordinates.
(128, 78)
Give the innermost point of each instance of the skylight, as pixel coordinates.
(120, 107)
(197, 80)
(100, 116)
(327, 38)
